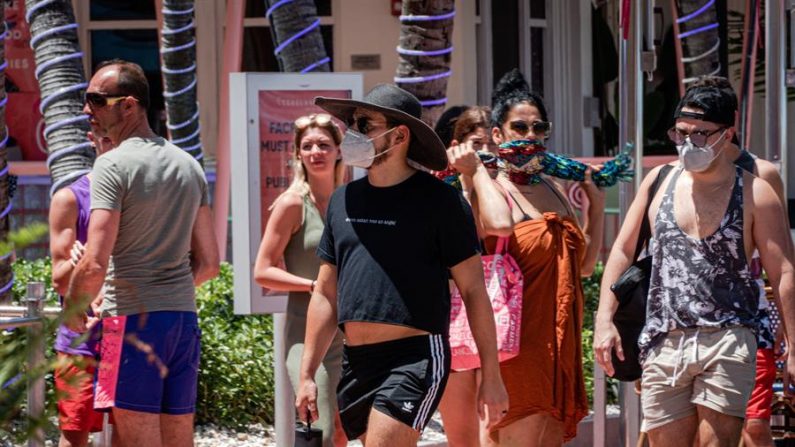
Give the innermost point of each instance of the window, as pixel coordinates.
(534, 26)
(125, 29)
(504, 44)
(499, 27)
(122, 10)
(139, 46)
(538, 9)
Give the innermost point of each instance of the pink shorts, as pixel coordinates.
(759, 405)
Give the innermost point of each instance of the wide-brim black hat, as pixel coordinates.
(399, 106)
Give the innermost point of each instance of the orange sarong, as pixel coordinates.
(547, 374)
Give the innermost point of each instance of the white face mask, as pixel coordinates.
(697, 159)
(358, 150)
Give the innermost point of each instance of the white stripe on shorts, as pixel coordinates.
(437, 366)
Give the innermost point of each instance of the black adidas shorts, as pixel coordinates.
(402, 378)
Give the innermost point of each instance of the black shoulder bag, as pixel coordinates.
(631, 290)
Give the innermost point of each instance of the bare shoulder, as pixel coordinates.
(288, 211)
(63, 200)
(761, 189)
(288, 200)
(652, 176)
(766, 170)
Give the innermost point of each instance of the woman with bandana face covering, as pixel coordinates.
(545, 381)
(292, 234)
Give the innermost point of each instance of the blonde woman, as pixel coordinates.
(292, 235)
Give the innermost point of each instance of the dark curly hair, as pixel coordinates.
(511, 90)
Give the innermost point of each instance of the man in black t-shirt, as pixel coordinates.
(391, 240)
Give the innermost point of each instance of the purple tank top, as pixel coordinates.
(82, 191)
(64, 341)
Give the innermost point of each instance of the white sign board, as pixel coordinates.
(263, 107)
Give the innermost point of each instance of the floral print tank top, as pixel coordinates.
(699, 282)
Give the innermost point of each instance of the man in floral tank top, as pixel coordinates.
(698, 347)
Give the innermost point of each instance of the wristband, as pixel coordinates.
(312, 286)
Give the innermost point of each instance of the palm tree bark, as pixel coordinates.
(426, 36)
(6, 276)
(178, 50)
(700, 50)
(295, 28)
(59, 69)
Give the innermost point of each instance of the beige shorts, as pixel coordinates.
(711, 367)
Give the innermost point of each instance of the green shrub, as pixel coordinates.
(235, 376)
(14, 370)
(236, 371)
(26, 272)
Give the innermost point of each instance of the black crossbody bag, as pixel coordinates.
(631, 289)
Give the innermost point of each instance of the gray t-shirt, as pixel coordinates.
(158, 188)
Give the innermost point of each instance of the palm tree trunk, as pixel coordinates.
(424, 51)
(59, 69)
(699, 34)
(295, 28)
(178, 50)
(6, 276)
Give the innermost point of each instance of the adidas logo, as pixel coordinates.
(408, 407)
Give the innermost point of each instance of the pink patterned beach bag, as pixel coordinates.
(504, 286)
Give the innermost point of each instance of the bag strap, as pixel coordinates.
(645, 227)
(502, 241)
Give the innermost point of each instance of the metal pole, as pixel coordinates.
(776, 93)
(232, 61)
(34, 301)
(747, 78)
(283, 394)
(19, 311)
(599, 405)
(638, 78)
(19, 322)
(630, 409)
(791, 7)
(625, 192)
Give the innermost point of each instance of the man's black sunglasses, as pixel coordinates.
(97, 100)
(523, 127)
(698, 138)
(362, 124)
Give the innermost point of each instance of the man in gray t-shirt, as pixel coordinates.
(150, 242)
(158, 189)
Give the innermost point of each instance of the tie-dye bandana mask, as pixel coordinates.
(449, 176)
(526, 159)
(452, 177)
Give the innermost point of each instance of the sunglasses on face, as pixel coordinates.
(363, 124)
(522, 127)
(97, 100)
(698, 138)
